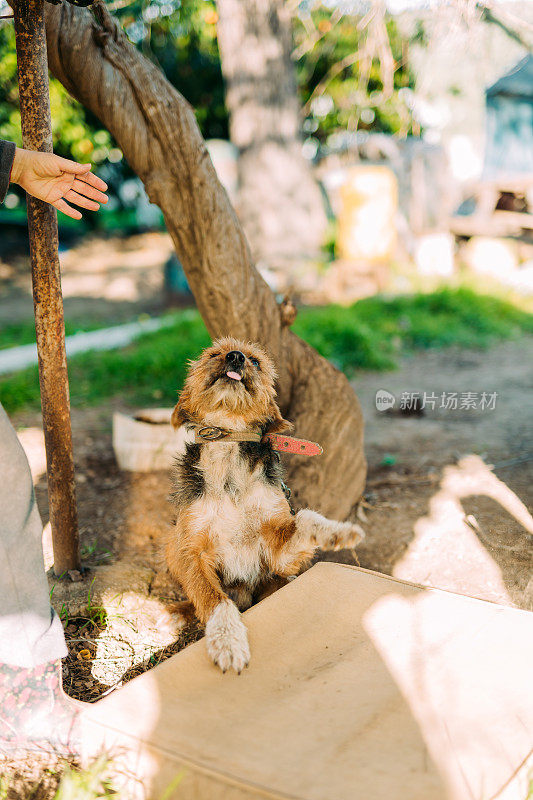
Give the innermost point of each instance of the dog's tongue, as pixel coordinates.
(234, 375)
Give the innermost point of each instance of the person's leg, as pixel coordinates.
(30, 633)
(33, 709)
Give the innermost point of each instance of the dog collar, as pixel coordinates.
(210, 433)
(204, 434)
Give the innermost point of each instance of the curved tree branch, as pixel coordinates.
(158, 134)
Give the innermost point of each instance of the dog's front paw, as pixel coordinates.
(227, 638)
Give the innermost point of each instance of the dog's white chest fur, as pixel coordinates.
(235, 503)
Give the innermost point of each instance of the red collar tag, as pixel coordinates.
(288, 444)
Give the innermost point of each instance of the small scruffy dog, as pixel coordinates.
(236, 539)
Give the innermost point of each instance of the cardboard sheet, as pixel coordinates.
(360, 687)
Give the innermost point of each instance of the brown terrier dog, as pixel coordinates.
(236, 537)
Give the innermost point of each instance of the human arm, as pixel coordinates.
(55, 180)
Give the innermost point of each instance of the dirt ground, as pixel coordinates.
(102, 278)
(442, 473)
(436, 512)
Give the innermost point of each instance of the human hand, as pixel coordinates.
(55, 180)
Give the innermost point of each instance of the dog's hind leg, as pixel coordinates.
(241, 594)
(268, 586)
(290, 542)
(328, 534)
(183, 609)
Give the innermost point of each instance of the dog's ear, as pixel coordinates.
(178, 417)
(179, 412)
(276, 423)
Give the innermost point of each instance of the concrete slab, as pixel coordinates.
(360, 687)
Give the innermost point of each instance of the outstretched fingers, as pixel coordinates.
(73, 167)
(85, 182)
(83, 195)
(79, 200)
(64, 207)
(90, 191)
(90, 179)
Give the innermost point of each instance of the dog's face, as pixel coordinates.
(235, 379)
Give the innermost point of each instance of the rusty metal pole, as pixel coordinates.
(47, 299)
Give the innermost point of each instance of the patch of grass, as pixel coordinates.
(16, 334)
(87, 784)
(20, 390)
(96, 614)
(343, 338)
(370, 335)
(93, 555)
(374, 332)
(21, 333)
(148, 371)
(49, 777)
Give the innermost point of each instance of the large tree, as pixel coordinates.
(279, 202)
(157, 131)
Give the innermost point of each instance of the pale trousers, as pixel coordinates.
(30, 631)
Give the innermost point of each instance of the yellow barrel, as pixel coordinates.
(367, 219)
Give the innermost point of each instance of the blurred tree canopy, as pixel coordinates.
(353, 72)
(350, 70)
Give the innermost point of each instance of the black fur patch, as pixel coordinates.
(187, 478)
(262, 452)
(230, 487)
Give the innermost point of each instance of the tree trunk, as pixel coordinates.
(157, 131)
(279, 202)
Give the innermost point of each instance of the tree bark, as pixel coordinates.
(279, 202)
(157, 131)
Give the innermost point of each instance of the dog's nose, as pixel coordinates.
(236, 358)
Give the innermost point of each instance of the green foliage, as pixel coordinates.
(446, 317)
(60, 779)
(343, 338)
(371, 334)
(9, 111)
(343, 82)
(179, 35)
(76, 133)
